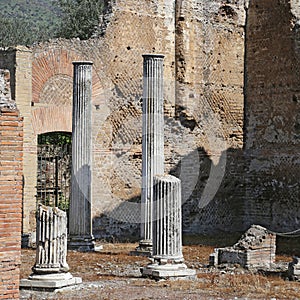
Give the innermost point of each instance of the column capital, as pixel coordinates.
(153, 55)
(82, 62)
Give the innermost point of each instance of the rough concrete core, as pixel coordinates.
(5, 92)
(255, 249)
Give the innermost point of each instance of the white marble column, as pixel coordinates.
(50, 270)
(80, 217)
(168, 261)
(152, 142)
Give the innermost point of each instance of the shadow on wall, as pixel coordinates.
(211, 199)
(272, 115)
(260, 184)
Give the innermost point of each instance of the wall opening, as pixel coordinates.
(54, 158)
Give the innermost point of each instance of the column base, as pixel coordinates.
(49, 281)
(83, 244)
(168, 271)
(144, 249)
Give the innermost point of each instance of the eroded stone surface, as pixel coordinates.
(50, 270)
(5, 92)
(167, 258)
(255, 249)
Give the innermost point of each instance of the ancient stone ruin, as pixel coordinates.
(167, 258)
(255, 249)
(50, 270)
(210, 70)
(152, 143)
(5, 91)
(80, 218)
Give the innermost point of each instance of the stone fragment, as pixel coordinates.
(255, 249)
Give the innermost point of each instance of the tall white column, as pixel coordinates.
(80, 217)
(167, 255)
(50, 270)
(152, 142)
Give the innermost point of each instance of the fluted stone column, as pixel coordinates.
(168, 261)
(80, 217)
(152, 142)
(50, 269)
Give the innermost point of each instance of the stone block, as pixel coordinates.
(255, 249)
(49, 281)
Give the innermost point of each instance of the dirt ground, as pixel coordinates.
(113, 274)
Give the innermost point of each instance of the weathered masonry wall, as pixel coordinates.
(11, 185)
(203, 46)
(210, 106)
(231, 110)
(272, 115)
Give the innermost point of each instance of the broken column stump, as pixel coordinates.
(50, 270)
(167, 258)
(255, 249)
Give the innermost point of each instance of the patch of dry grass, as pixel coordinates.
(114, 262)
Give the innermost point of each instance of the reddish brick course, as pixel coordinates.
(11, 186)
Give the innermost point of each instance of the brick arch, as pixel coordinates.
(52, 73)
(50, 63)
(52, 89)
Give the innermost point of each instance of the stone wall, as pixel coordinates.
(11, 186)
(220, 57)
(272, 115)
(210, 106)
(203, 91)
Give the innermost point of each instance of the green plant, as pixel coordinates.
(26, 22)
(63, 203)
(81, 17)
(55, 138)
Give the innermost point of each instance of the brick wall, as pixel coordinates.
(11, 187)
(272, 115)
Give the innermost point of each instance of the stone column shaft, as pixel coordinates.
(153, 138)
(80, 218)
(167, 258)
(167, 237)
